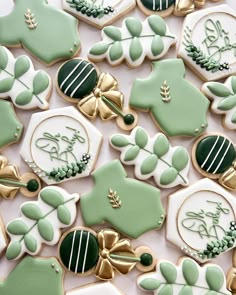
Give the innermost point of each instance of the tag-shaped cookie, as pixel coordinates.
(27, 88)
(48, 33)
(208, 42)
(98, 13)
(83, 252)
(187, 277)
(11, 181)
(61, 144)
(96, 94)
(214, 156)
(153, 157)
(133, 42)
(11, 128)
(41, 221)
(223, 98)
(201, 220)
(96, 288)
(177, 106)
(115, 196)
(30, 276)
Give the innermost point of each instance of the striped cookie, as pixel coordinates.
(161, 7)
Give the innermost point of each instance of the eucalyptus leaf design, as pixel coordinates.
(27, 88)
(41, 221)
(132, 35)
(224, 99)
(186, 278)
(153, 157)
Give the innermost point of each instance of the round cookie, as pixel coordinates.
(160, 7)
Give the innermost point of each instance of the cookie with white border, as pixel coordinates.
(134, 41)
(202, 220)
(96, 288)
(60, 145)
(187, 277)
(98, 13)
(214, 156)
(208, 42)
(3, 237)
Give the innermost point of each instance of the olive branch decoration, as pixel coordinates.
(30, 20)
(114, 199)
(165, 92)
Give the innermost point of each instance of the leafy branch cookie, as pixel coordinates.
(214, 156)
(224, 99)
(40, 222)
(83, 252)
(153, 157)
(187, 277)
(27, 88)
(133, 42)
(201, 220)
(34, 276)
(208, 42)
(177, 106)
(49, 34)
(96, 94)
(98, 13)
(114, 196)
(11, 128)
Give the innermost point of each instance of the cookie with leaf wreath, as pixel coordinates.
(98, 13)
(133, 42)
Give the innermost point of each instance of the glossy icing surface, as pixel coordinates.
(99, 288)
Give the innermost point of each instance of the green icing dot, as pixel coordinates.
(33, 185)
(146, 259)
(129, 119)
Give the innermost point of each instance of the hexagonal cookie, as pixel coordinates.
(98, 13)
(201, 220)
(208, 42)
(60, 145)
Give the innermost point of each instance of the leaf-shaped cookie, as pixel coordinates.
(22, 65)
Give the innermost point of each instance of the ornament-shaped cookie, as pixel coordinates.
(177, 106)
(83, 252)
(96, 94)
(214, 156)
(60, 154)
(133, 42)
(115, 196)
(208, 42)
(48, 33)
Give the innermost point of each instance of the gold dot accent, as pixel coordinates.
(16, 135)
(75, 44)
(196, 130)
(71, 50)
(203, 125)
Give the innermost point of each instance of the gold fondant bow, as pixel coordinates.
(183, 7)
(8, 172)
(110, 243)
(94, 104)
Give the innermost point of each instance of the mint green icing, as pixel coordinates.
(10, 127)
(185, 113)
(134, 26)
(139, 210)
(190, 272)
(157, 45)
(136, 49)
(218, 89)
(169, 272)
(48, 33)
(34, 276)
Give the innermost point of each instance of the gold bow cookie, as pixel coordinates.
(183, 7)
(101, 101)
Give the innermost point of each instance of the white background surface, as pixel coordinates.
(9, 209)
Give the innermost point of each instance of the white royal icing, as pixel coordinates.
(3, 241)
(99, 289)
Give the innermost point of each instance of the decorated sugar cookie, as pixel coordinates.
(187, 277)
(208, 42)
(48, 33)
(83, 251)
(60, 145)
(11, 128)
(96, 94)
(3, 237)
(11, 181)
(177, 106)
(34, 276)
(231, 275)
(214, 156)
(96, 288)
(153, 157)
(223, 98)
(115, 196)
(133, 42)
(41, 221)
(98, 13)
(27, 88)
(201, 220)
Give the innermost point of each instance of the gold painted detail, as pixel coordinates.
(114, 199)
(30, 20)
(231, 276)
(165, 92)
(228, 179)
